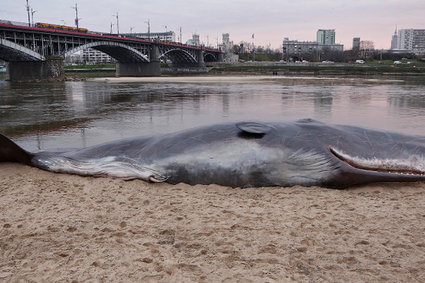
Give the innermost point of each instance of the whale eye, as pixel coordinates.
(306, 120)
(253, 128)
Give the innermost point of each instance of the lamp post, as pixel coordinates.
(253, 47)
(76, 15)
(118, 24)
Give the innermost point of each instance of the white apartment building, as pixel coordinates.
(297, 48)
(411, 40)
(93, 56)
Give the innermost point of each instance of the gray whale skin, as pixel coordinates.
(246, 154)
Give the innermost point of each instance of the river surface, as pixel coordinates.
(76, 114)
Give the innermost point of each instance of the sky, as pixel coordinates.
(269, 20)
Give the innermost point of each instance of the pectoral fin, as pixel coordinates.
(11, 152)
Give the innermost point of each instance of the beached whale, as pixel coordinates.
(246, 154)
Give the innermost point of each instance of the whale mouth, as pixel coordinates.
(414, 166)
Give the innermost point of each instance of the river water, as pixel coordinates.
(76, 114)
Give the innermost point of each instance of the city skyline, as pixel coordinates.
(269, 22)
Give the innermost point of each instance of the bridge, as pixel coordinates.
(38, 53)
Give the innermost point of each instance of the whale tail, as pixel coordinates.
(11, 152)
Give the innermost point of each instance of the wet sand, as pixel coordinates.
(57, 227)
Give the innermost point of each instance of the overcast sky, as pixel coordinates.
(269, 20)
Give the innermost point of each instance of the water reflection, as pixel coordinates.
(323, 102)
(75, 114)
(415, 99)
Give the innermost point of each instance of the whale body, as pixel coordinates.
(245, 154)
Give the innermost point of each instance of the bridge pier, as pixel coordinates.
(138, 69)
(201, 62)
(148, 69)
(51, 68)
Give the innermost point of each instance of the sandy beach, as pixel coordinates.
(57, 227)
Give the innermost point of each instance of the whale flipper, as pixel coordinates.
(11, 152)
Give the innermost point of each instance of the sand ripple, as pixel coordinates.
(56, 227)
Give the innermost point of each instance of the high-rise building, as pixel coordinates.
(226, 39)
(394, 40)
(356, 43)
(412, 40)
(326, 36)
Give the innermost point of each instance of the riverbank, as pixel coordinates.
(57, 227)
(273, 68)
(321, 69)
(84, 72)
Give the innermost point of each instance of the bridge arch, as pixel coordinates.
(179, 57)
(121, 52)
(210, 57)
(12, 52)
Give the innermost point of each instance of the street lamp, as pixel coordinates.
(28, 12)
(118, 24)
(76, 15)
(32, 16)
(149, 28)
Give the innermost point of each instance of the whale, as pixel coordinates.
(244, 154)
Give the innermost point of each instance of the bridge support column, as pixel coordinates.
(52, 68)
(138, 69)
(201, 62)
(150, 69)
